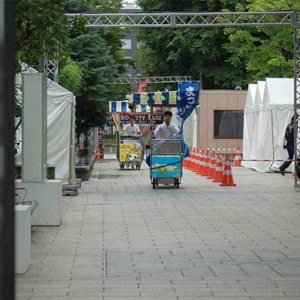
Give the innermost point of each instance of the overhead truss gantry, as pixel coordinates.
(204, 20)
(148, 80)
(185, 19)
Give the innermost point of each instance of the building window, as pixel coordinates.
(126, 44)
(228, 124)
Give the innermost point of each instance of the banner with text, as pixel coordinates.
(187, 99)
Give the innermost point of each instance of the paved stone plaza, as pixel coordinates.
(120, 239)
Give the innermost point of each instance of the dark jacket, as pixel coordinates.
(289, 134)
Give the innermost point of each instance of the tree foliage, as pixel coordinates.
(188, 51)
(40, 25)
(98, 53)
(89, 58)
(265, 51)
(70, 75)
(222, 57)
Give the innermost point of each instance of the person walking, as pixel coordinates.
(131, 128)
(166, 129)
(288, 145)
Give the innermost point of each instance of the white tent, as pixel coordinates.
(248, 125)
(257, 120)
(273, 109)
(60, 130)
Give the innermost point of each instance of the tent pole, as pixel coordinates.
(273, 152)
(70, 181)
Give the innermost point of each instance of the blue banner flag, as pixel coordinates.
(187, 99)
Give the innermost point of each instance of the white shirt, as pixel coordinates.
(163, 131)
(131, 130)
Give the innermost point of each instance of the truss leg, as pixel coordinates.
(296, 28)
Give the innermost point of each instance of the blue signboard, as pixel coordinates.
(166, 166)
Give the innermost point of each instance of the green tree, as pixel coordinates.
(40, 25)
(265, 51)
(189, 51)
(225, 57)
(98, 53)
(70, 76)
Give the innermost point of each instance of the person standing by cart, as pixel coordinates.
(131, 128)
(166, 129)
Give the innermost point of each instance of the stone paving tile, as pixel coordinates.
(120, 239)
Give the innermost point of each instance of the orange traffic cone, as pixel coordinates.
(190, 159)
(238, 158)
(227, 179)
(193, 164)
(219, 170)
(98, 155)
(201, 163)
(197, 161)
(212, 170)
(206, 164)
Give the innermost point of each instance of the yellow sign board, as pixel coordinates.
(130, 153)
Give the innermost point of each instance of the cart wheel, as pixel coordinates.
(153, 183)
(176, 183)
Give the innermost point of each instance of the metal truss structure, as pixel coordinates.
(185, 19)
(296, 30)
(149, 80)
(51, 68)
(205, 20)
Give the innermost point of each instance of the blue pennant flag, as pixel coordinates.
(187, 99)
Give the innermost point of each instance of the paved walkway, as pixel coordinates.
(120, 239)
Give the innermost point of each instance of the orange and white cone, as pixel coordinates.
(212, 169)
(227, 179)
(207, 165)
(219, 170)
(191, 158)
(200, 163)
(194, 162)
(197, 162)
(98, 155)
(238, 158)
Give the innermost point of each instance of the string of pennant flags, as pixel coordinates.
(185, 99)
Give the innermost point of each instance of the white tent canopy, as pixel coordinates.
(249, 124)
(60, 130)
(270, 114)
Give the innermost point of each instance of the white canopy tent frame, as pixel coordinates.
(265, 122)
(60, 130)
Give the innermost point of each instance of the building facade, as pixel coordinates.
(220, 119)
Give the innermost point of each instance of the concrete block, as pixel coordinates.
(48, 196)
(22, 238)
